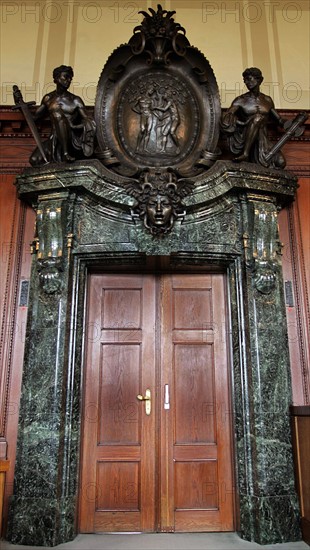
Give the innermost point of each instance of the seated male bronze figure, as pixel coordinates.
(73, 131)
(245, 123)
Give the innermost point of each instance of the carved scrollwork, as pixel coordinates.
(159, 199)
(266, 248)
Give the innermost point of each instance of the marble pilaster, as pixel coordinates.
(266, 476)
(43, 505)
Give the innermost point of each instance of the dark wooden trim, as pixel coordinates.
(13, 124)
(305, 527)
(4, 467)
(302, 410)
(300, 436)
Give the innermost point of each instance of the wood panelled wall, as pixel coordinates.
(294, 224)
(17, 231)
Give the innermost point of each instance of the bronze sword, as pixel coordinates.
(24, 107)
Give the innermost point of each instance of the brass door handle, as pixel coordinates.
(147, 399)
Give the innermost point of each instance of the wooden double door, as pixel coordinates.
(156, 445)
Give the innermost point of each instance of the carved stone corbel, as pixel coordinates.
(261, 244)
(49, 243)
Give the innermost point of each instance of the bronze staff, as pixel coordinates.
(295, 128)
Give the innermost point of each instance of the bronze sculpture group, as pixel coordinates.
(158, 120)
(73, 133)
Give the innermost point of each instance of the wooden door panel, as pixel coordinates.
(191, 309)
(118, 485)
(119, 383)
(196, 522)
(196, 485)
(121, 308)
(118, 460)
(193, 389)
(194, 365)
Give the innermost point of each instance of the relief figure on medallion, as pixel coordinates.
(168, 121)
(144, 107)
(159, 120)
(245, 123)
(73, 131)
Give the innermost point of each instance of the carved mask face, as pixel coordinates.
(159, 210)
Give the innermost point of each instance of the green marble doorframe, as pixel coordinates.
(84, 223)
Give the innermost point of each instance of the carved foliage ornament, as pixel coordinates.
(159, 36)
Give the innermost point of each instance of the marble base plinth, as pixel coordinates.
(42, 522)
(270, 520)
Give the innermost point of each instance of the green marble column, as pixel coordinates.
(268, 504)
(43, 506)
